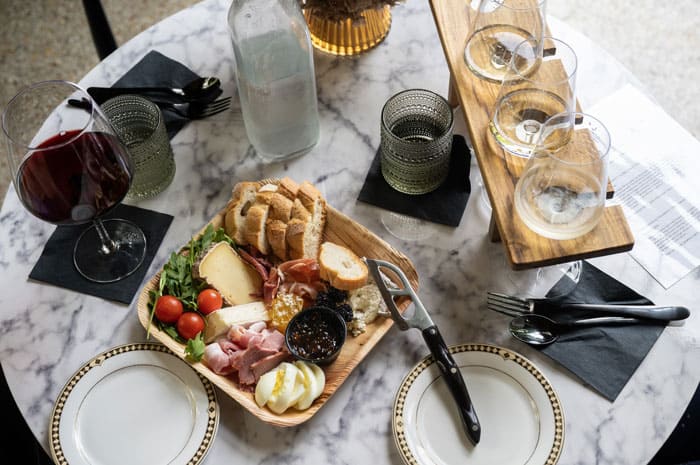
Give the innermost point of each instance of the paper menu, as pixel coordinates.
(654, 166)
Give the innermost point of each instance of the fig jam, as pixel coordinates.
(316, 334)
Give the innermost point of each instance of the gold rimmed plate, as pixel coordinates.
(521, 416)
(135, 404)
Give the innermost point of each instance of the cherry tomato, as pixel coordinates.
(209, 300)
(168, 308)
(189, 324)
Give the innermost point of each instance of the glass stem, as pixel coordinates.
(108, 246)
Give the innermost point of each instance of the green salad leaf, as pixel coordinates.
(177, 280)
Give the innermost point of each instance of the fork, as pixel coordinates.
(516, 306)
(197, 110)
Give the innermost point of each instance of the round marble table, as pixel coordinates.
(47, 333)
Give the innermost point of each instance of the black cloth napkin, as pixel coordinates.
(55, 265)
(604, 357)
(157, 70)
(445, 205)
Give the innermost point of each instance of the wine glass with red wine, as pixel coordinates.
(69, 167)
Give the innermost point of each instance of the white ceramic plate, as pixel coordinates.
(134, 404)
(522, 422)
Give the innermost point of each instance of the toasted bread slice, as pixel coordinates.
(341, 267)
(242, 198)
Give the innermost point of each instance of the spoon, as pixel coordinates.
(196, 89)
(539, 330)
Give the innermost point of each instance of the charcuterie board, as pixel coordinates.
(339, 229)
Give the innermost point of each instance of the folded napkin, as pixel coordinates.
(55, 265)
(157, 70)
(604, 357)
(445, 205)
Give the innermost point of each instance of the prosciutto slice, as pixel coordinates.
(216, 359)
(248, 351)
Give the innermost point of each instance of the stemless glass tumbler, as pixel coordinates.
(140, 125)
(539, 83)
(561, 193)
(498, 26)
(416, 141)
(69, 167)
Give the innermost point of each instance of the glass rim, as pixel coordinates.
(573, 114)
(53, 82)
(521, 77)
(448, 129)
(141, 100)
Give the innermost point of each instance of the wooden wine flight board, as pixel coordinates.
(500, 171)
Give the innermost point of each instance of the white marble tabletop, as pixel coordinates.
(47, 333)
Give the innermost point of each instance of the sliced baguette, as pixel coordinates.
(255, 222)
(341, 267)
(288, 187)
(299, 211)
(280, 207)
(265, 193)
(242, 198)
(304, 236)
(276, 232)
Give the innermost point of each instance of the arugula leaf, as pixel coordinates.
(176, 279)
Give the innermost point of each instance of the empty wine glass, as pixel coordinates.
(539, 83)
(561, 192)
(498, 26)
(69, 167)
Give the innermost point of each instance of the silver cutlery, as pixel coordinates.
(196, 110)
(516, 306)
(196, 90)
(421, 320)
(538, 330)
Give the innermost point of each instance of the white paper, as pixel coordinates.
(654, 168)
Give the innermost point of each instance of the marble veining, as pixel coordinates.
(47, 333)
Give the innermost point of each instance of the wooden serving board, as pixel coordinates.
(339, 229)
(500, 171)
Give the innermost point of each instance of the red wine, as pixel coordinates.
(72, 177)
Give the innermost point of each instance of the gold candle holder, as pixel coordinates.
(348, 36)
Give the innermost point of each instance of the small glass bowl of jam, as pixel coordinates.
(316, 335)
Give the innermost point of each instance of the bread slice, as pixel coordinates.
(288, 187)
(341, 267)
(242, 198)
(255, 222)
(299, 211)
(276, 232)
(280, 207)
(305, 233)
(265, 193)
(309, 196)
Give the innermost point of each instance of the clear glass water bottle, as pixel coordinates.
(275, 76)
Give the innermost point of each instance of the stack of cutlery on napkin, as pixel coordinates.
(601, 330)
(181, 94)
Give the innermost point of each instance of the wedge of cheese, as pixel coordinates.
(224, 270)
(219, 322)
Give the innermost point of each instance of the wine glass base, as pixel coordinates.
(552, 281)
(406, 227)
(98, 265)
